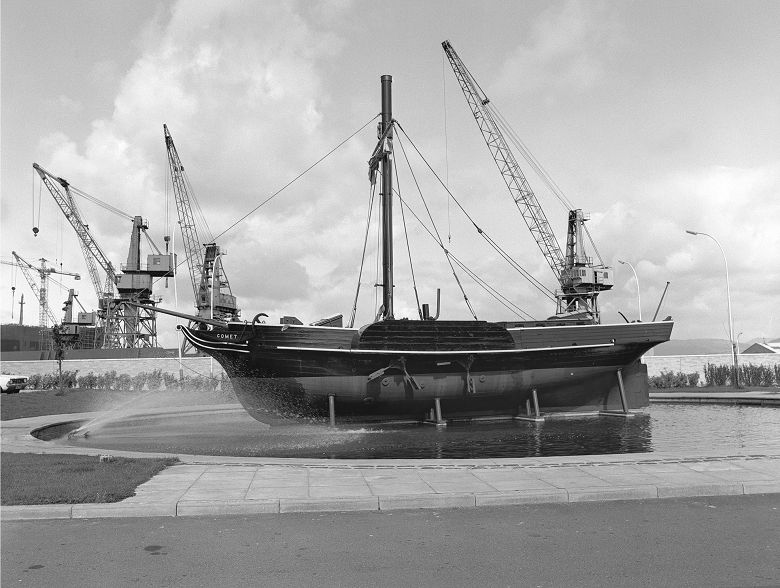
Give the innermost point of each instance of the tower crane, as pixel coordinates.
(203, 259)
(124, 325)
(580, 280)
(41, 291)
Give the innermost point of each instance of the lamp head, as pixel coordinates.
(623, 262)
(691, 232)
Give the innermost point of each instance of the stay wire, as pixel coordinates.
(438, 237)
(296, 178)
(512, 262)
(446, 142)
(372, 194)
(408, 248)
(288, 184)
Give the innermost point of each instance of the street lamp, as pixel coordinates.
(728, 300)
(639, 297)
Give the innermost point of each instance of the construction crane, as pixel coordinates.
(123, 325)
(203, 256)
(41, 291)
(580, 280)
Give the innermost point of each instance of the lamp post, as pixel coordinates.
(639, 297)
(728, 300)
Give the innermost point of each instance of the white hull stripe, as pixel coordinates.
(467, 352)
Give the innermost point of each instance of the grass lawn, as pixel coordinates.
(27, 478)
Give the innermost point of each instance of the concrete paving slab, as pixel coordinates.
(277, 493)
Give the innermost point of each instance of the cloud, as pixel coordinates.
(566, 50)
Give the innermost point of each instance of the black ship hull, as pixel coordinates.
(404, 370)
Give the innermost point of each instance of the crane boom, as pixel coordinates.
(204, 259)
(515, 180)
(92, 251)
(192, 244)
(579, 279)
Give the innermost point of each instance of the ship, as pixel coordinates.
(432, 370)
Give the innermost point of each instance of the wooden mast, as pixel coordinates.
(387, 199)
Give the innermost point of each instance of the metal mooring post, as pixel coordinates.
(332, 409)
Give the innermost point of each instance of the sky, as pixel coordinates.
(653, 117)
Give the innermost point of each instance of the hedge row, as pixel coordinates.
(749, 375)
(155, 380)
(720, 375)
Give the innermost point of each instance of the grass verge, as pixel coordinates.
(73, 479)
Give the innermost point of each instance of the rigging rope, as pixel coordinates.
(446, 143)
(372, 192)
(296, 178)
(544, 290)
(438, 237)
(408, 249)
(529, 157)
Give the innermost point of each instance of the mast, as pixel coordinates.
(387, 198)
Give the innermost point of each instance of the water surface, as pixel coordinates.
(662, 428)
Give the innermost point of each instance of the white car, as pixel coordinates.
(12, 384)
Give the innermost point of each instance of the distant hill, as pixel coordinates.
(701, 346)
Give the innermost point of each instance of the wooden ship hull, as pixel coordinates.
(431, 370)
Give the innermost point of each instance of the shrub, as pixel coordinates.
(756, 375)
(139, 380)
(88, 382)
(69, 379)
(124, 382)
(49, 382)
(717, 375)
(674, 380)
(224, 383)
(171, 382)
(154, 380)
(34, 382)
(107, 381)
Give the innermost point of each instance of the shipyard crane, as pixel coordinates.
(203, 256)
(124, 325)
(45, 313)
(93, 254)
(580, 280)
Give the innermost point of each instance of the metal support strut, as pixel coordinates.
(623, 403)
(536, 416)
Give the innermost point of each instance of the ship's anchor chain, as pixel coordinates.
(470, 386)
(399, 364)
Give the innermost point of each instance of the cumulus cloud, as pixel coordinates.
(565, 50)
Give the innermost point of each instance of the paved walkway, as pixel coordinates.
(209, 485)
